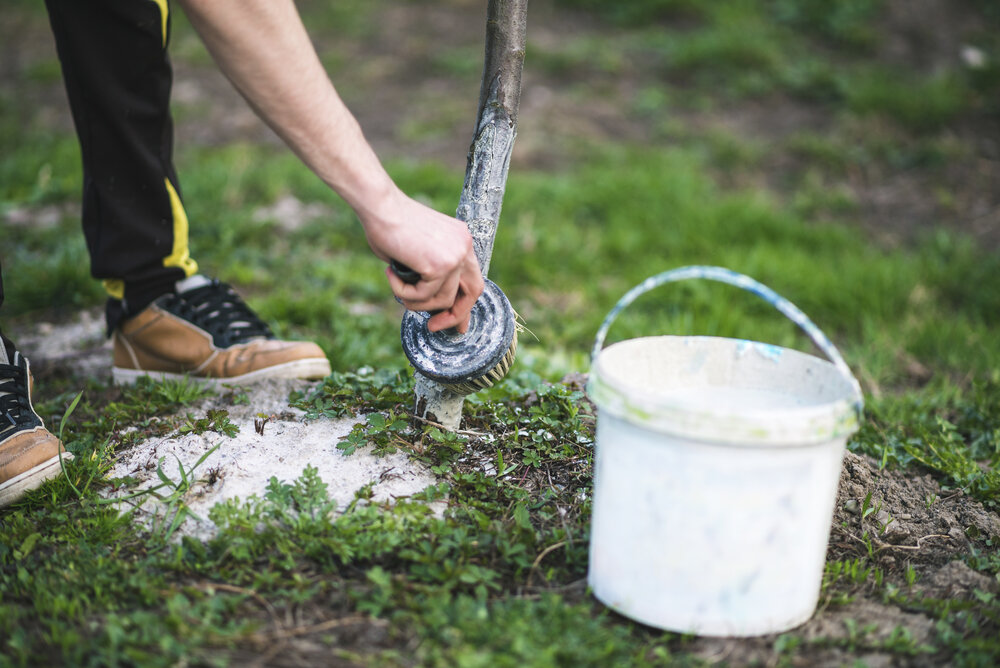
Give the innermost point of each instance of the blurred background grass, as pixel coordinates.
(842, 153)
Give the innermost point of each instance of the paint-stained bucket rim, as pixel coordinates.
(837, 417)
(817, 422)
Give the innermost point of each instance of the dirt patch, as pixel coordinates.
(310, 644)
(77, 348)
(823, 633)
(909, 519)
(928, 34)
(290, 213)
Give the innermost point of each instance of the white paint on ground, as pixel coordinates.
(246, 463)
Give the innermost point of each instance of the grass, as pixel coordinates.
(499, 579)
(450, 582)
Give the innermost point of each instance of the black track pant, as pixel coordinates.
(118, 79)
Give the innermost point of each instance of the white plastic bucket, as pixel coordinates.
(716, 470)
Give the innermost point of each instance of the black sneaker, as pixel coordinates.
(206, 332)
(29, 453)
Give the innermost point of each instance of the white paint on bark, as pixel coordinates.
(488, 164)
(437, 403)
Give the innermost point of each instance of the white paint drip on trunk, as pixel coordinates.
(435, 402)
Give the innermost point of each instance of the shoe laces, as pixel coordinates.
(217, 309)
(16, 413)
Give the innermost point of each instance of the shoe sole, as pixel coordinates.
(309, 369)
(16, 487)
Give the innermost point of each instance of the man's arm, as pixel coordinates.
(263, 48)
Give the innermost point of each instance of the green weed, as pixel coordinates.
(174, 510)
(949, 436)
(842, 580)
(383, 432)
(919, 104)
(849, 23)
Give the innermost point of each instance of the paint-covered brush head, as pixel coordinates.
(464, 363)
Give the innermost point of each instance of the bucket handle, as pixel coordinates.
(723, 275)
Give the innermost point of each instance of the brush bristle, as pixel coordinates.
(492, 376)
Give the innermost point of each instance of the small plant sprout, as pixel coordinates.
(259, 422)
(164, 523)
(884, 524)
(62, 426)
(866, 507)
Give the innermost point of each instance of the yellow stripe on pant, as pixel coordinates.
(164, 13)
(115, 287)
(181, 256)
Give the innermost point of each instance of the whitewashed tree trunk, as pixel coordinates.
(488, 163)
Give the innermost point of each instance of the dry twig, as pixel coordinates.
(542, 555)
(463, 432)
(880, 545)
(284, 634)
(210, 587)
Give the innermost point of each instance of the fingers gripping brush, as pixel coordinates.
(463, 363)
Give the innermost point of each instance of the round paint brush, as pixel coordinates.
(463, 363)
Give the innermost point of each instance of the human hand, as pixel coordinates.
(435, 246)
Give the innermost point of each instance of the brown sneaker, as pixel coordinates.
(205, 331)
(29, 454)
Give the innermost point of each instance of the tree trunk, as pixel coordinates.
(488, 163)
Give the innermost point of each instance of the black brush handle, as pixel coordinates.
(405, 274)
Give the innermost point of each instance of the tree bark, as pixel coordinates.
(488, 163)
(496, 125)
